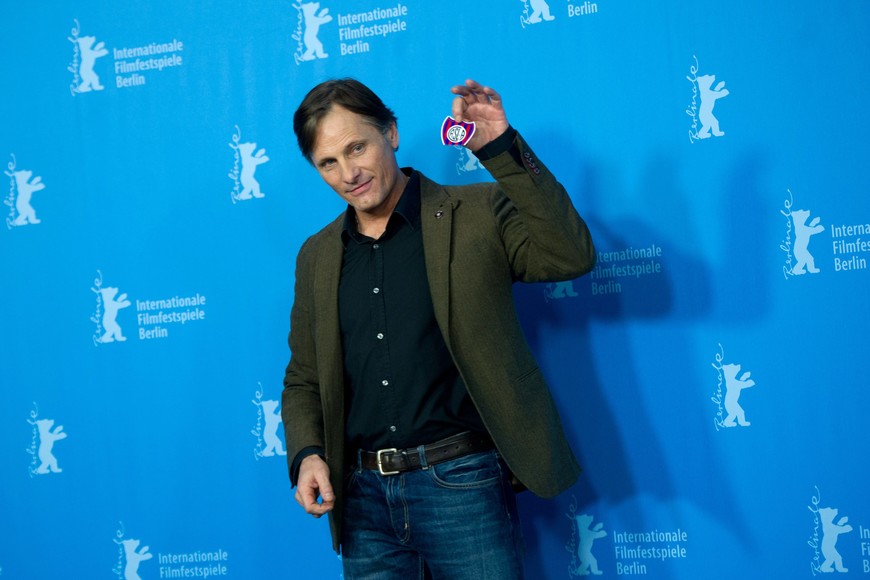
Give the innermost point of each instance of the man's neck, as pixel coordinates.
(374, 225)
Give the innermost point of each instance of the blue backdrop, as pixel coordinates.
(709, 370)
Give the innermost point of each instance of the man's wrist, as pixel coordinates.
(497, 146)
(297, 461)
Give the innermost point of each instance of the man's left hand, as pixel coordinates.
(482, 106)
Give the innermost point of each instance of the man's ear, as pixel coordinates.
(393, 136)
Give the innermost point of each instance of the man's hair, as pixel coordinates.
(347, 93)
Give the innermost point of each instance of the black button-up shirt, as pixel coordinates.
(402, 387)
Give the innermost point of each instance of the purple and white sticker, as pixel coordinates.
(455, 132)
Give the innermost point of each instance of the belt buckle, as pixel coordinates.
(380, 461)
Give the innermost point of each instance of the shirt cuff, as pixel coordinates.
(297, 461)
(497, 146)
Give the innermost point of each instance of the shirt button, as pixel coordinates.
(385, 382)
(393, 428)
(376, 290)
(380, 335)
(376, 246)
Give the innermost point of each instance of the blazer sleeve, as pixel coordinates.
(544, 236)
(301, 408)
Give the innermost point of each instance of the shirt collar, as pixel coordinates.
(409, 204)
(408, 208)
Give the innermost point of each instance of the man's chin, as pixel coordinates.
(365, 204)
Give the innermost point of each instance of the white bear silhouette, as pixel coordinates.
(131, 570)
(830, 532)
(802, 234)
(47, 437)
(90, 54)
(733, 386)
(540, 9)
(110, 312)
(708, 100)
(558, 290)
(472, 163)
(250, 161)
(25, 187)
(270, 434)
(587, 535)
(313, 21)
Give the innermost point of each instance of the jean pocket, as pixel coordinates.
(350, 477)
(468, 472)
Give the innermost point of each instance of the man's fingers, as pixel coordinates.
(326, 492)
(493, 95)
(324, 508)
(327, 497)
(472, 93)
(307, 498)
(473, 85)
(459, 107)
(478, 94)
(314, 482)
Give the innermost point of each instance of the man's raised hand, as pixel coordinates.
(482, 106)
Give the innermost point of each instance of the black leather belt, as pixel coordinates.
(393, 461)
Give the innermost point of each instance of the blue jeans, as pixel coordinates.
(455, 520)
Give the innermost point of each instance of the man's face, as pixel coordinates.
(357, 161)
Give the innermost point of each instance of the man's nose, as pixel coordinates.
(349, 172)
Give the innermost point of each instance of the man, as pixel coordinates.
(412, 402)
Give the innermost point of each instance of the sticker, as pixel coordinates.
(455, 132)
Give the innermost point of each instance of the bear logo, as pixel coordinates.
(250, 161)
(270, 434)
(25, 186)
(830, 533)
(709, 123)
(733, 387)
(90, 54)
(802, 234)
(468, 161)
(587, 535)
(133, 558)
(47, 437)
(557, 290)
(540, 10)
(313, 21)
(110, 313)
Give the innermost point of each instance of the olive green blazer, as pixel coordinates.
(478, 239)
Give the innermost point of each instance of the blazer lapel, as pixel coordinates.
(436, 217)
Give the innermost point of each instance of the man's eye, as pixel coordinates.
(359, 148)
